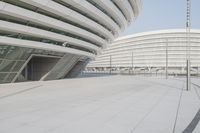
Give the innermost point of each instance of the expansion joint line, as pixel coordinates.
(178, 108)
(19, 92)
(192, 125)
(151, 109)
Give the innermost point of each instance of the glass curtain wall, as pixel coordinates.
(12, 59)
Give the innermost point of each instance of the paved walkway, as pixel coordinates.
(112, 104)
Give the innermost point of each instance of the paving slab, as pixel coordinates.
(111, 104)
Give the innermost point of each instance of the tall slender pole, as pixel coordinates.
(132, 61)
(110, 64)
(188, 26)
(166, 69)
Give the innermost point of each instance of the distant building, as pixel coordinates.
(146, 53)
(55, 39)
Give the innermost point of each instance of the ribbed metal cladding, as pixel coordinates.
(72, 31)
(148, 50)
(84, 25)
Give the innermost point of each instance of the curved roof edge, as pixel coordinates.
(44, 46)
(155, 32)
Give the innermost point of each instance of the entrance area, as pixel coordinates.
(37, 68)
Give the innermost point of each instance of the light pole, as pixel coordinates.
(188, 26)
(166, 69)
(110, 64)
(132, 61)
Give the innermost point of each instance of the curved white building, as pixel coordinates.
(149, 52)
(53, 39)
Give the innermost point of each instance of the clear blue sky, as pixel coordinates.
(164, 14)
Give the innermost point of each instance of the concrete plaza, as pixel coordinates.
(112, 104)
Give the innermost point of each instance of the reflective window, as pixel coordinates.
(2, 76)
(13, 53)
(6, 65)
(17, 66)
(9, 77)
(12, 58)
(3, 50)
(26, 53)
